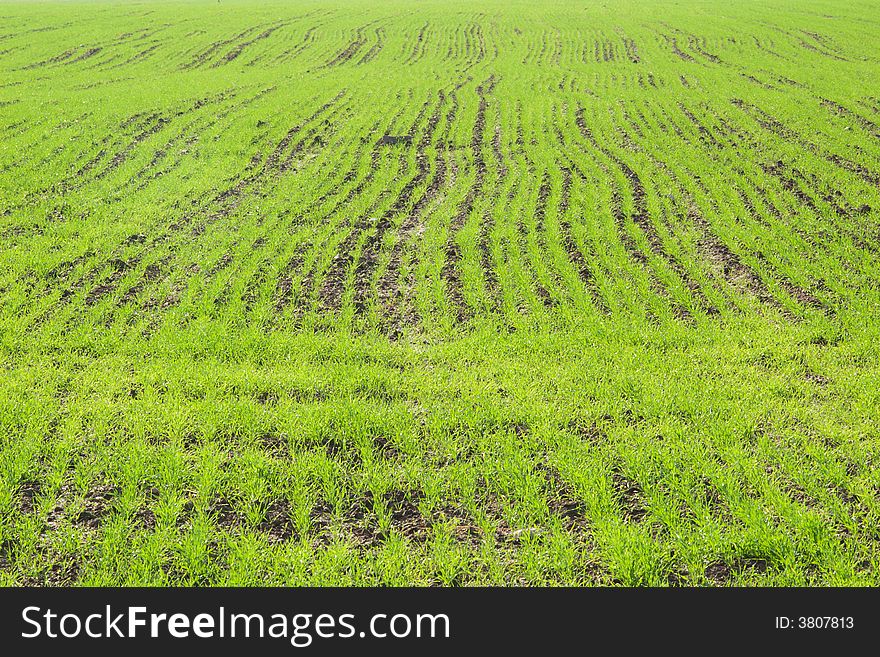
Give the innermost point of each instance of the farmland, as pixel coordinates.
(607, 314)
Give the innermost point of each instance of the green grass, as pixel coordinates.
(609, 319)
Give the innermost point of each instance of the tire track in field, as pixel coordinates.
(235, 52)
(550, 300)
(352, 49)
(630, 47)
(184, 136)
(488, 224)
(724, 260)
(656, 242)
(574, 252)
(376, 48)
(476, 43)
(832, 196)
(240, 42)
(312, 282)
(146, 47)
(418, 49)
(732, 268)
(153, 124)
(575, 255)
(70, 56)
(448, 179)
(297, 261)
(348, 255)
(223, 203)
(325, 285)
(292, 53)
(710, 246)
(450, 272)
(775, 126)
(697, 45)
(277, 163)
(111, 272)
(146, 125)
(639, 217)
(284, 285)
(391, 297)
(138, 57)
(369, 255)
(819, 44)
(698, 295)
(604, 50)
(672, 42)
(205, 55)
(793, 181)
(837, 109)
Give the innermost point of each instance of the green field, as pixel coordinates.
(608, 317)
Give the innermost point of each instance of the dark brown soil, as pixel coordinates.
(98, 503)
(404, 202)
(333, 287)
(486, 261)
(29, 490)
(721, 572)
(118, 269)
(61, 573)
(361, 522)
(819, 45)
(564, 502)
(629, 495)
(90, 164)
(152, 272)
(392, 140)
(706, 136)
(296, 263)
(278, 525)
(284, 288)
(788, 181)
(586, 431)
(89, 52)
(818, 379)
(67, 57)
